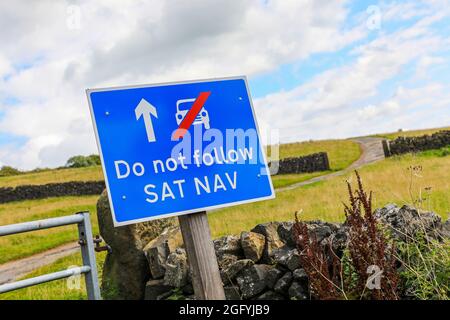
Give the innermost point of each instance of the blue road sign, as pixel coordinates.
(178, 148)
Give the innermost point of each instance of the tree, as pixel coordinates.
(83, 161)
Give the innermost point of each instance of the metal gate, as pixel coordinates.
(89, 268)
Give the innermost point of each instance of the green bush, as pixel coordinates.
(83, 161)
(425, 271)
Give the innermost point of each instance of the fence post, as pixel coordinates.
(88, 255)
(202, 259)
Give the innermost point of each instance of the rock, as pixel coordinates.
(319, 230)
(286, 233)
(150, 230)
(272, 277)
(273, 240)
(279, 256)
(252, 280)
(176, 269)
(297, 291)
(406, 222)
(339, 240)
(155, 288)
(159, 248)
(127, 243)
(188, 289)
(230, 273)
(283, 284)
(293, 260)
(300, 275)
(225, 260)
(446, 229)
(287, 257)
(270, 295)
(253, 245)
(228, 245)
(232, 293)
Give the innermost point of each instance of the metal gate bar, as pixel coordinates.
(89, 268)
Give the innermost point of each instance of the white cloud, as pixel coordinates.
(335, 103)
(52, 55)
(58, 53)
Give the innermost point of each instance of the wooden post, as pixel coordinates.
(206, 278)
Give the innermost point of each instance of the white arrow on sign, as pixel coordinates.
(146, 110)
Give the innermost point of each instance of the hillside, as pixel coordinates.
(409, 133)
(391, 180)
(422, 179)
(341, 154)
(53, 176)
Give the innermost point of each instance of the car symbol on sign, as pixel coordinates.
(183, 107)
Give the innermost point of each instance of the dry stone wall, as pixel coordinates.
(309, 163)
(31, 192)
(403, 145)
(260, 264)
(264, 263)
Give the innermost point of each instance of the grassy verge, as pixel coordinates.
(53, 176)
(285, 180)
(23, 245)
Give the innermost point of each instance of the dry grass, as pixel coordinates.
(390, 181)
(53, 176)
(341, 153)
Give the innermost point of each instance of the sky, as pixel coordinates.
(317, 69)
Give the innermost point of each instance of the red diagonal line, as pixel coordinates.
(191, 115)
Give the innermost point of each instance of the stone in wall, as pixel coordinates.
(158, 250)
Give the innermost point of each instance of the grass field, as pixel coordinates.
(410, 133)
(53, 176)
(391, 180)
(22, 245)
(341, 154)
(56, 290)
